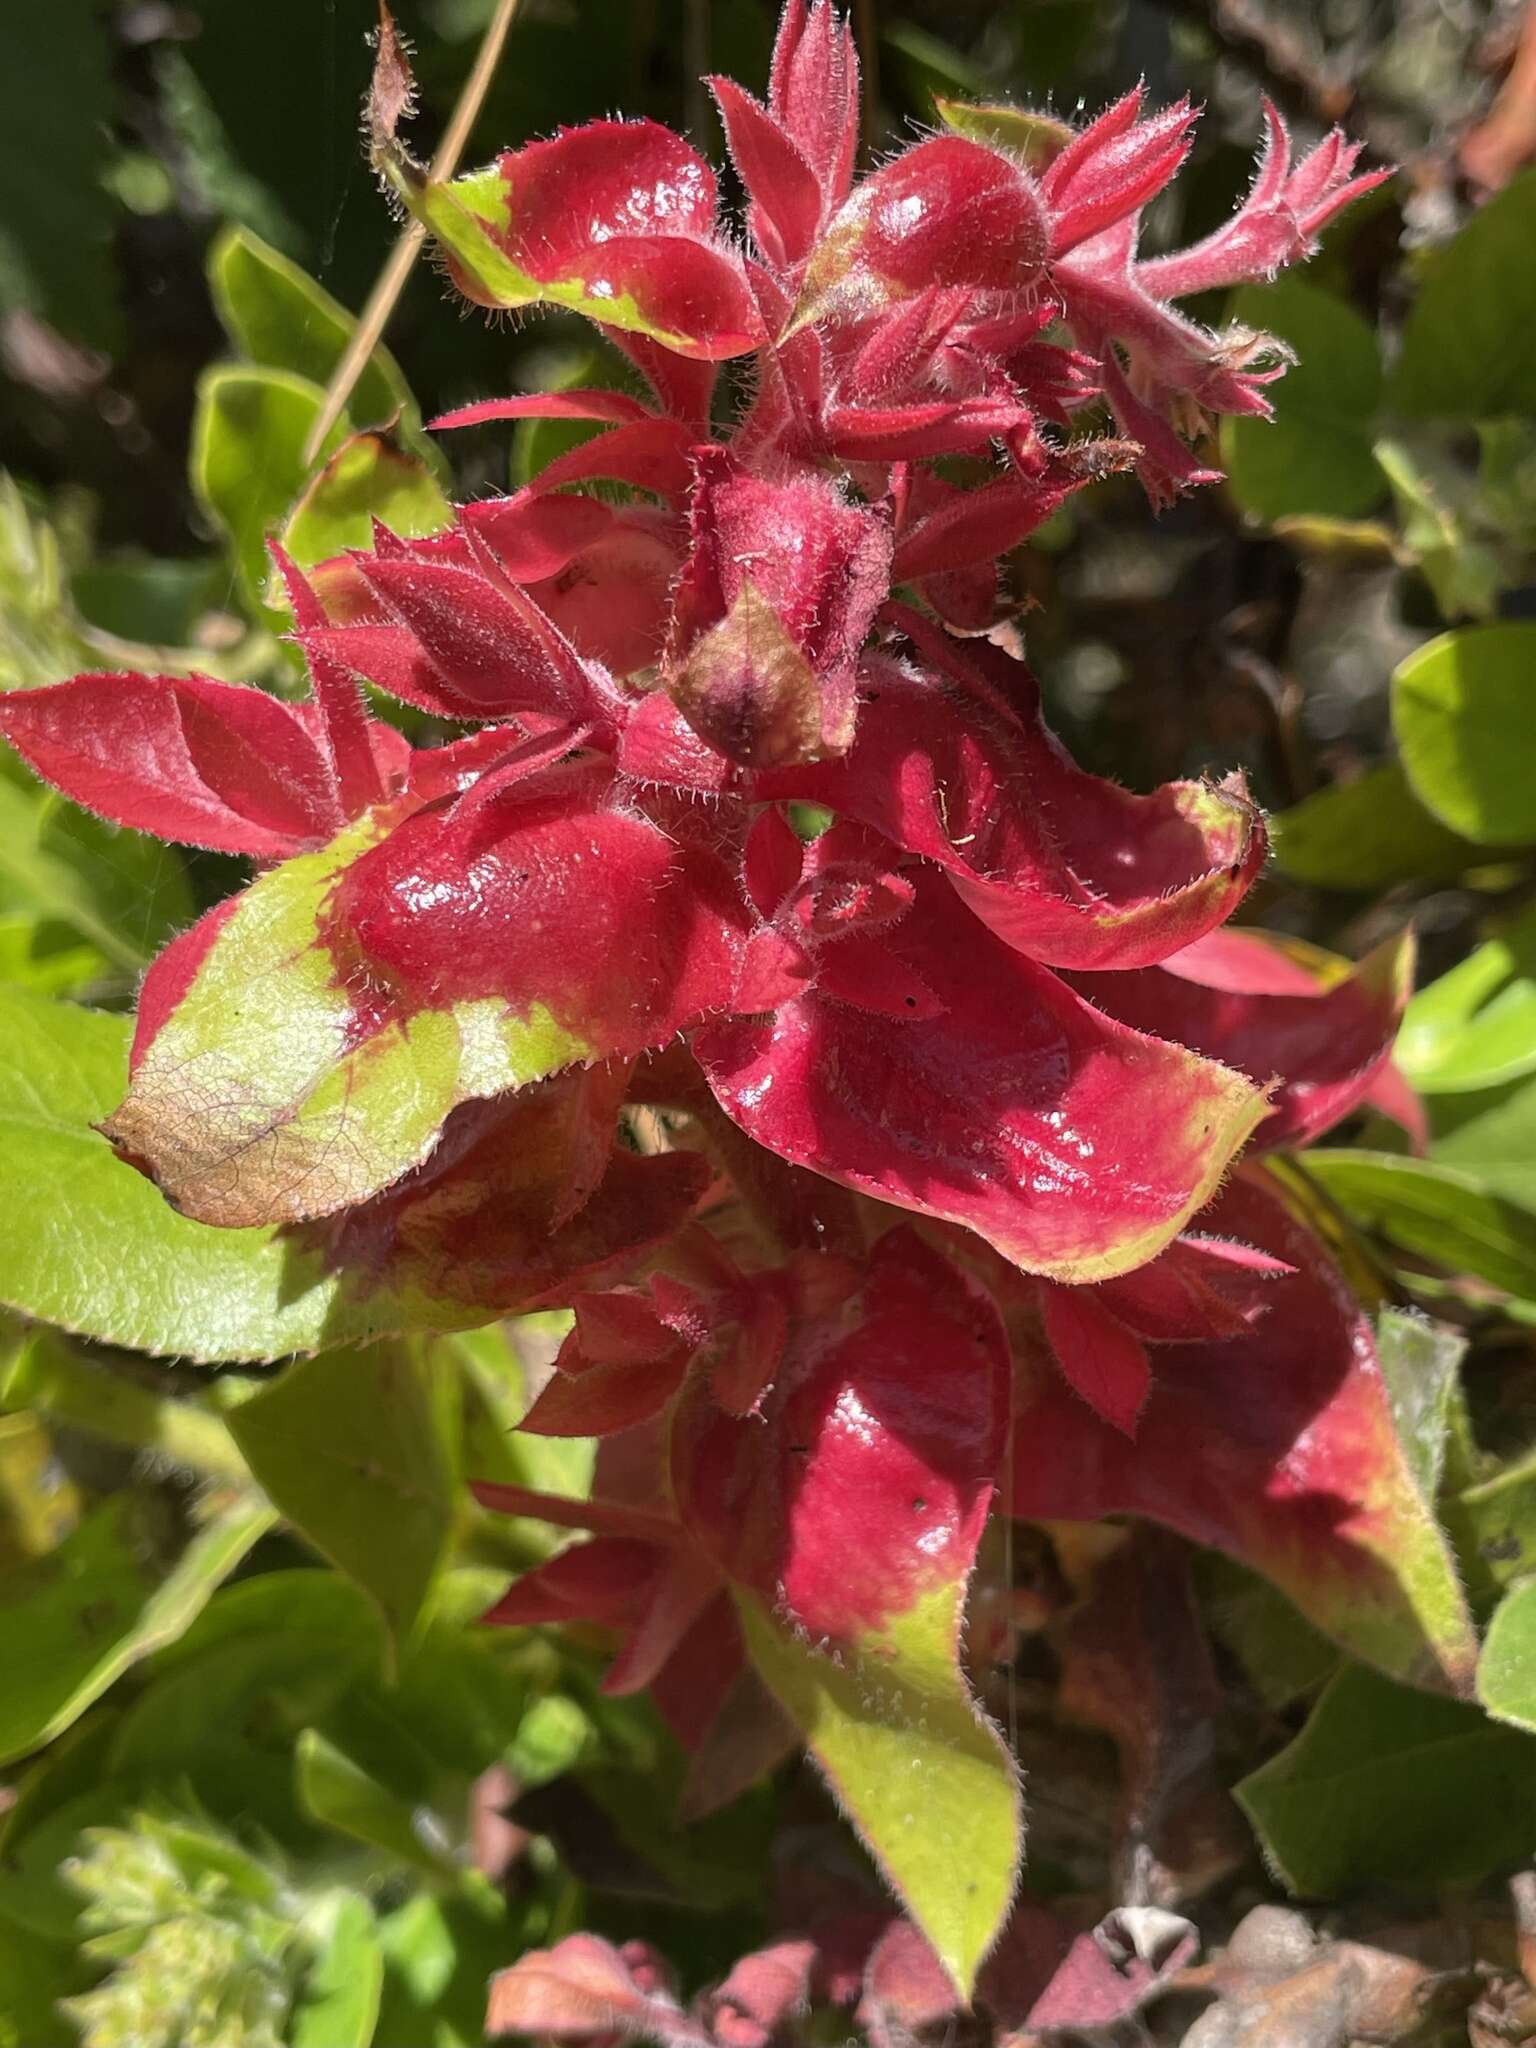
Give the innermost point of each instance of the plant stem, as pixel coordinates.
(57, 1381)
(375, 316)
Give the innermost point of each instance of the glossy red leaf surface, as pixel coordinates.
(945, 212)
(487, 899)
(625, 210)
(871, 1482)
(184, 757)
(1319, 1033)
(1072, 870)
(1076, 1147)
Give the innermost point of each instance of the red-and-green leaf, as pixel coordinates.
(846, 1517)
(1277, 1446)
(957, 766)
(985, 1094)
(352, 998)
(1316, 1025)
(615, 220)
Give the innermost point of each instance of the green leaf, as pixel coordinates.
(338, 2003)
(121, 893)
(1315, 455)
(1491, 1135)
(89, 1244)
(248, 467)
(1466, 349)
(39, 955)
(1506, 1672)
(1284, 1656)
(1447, 1218)
(1389, 1786)
(927, 1780)
(277, 316)
(1367, 834)
(355, 1449)
(341, 1794)
(266, 1656)
(1461, 712)
(76, 1620)
(1494, 1523)
(369, 477)
(34, 1976)
(1476, 1026)
(439, 1952)
(1420, 1361)
(53, 1377)
(55, 247)
(292, 1114)
(1034, 138)
(1463, 573)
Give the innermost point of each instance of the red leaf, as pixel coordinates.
(603, 1581)
(459, 644)
(617, 407)
(1113, 167)
(1200, 1287)
(784, 193)
(183, 757)
(1098, 1355)
(531, 537)
(1277, 1446)
(1075, 1147)
(525, 890)
(764, 1991)
(780, 588)
(945, 212)
(1112, 1972)
(1072, 870)
(525, 1198)
(626, 210)
(814, 91)
(868, 1478)
(1239, 997)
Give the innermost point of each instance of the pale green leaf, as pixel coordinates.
(254, 1103)
(338, 2002)
(1461, 710)
(356, 1450)
(1476, 1026)
(89, 1244)
(1420, 1361)
(1491, 1135)
(369, 477)
(338, 1792)
(280, 318)
(1506, 1673)
(1315, 456)
(249, 433)
(924, 1776)
(1434, 1213)
(1367, 834)
(1032, 137)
